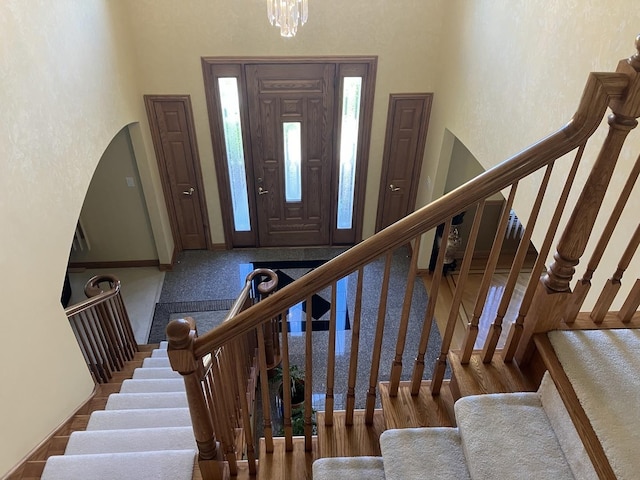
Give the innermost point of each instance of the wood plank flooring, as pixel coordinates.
(422, 410)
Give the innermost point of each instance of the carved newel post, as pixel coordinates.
(553, 292)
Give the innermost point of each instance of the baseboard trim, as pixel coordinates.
(116, 264)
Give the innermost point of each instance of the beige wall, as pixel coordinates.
(512, 72)
(114, 215)
(65, 92)
(170, 37)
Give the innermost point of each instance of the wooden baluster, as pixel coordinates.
(308, 378)
(377, 342)
(495, 330)
(101, 363)
(515, 333)
(355, 346)
(286, 386)
(269, 350)
(396, 366)
(631, 304)
(612, 286)
(78, 328)
(241, 379)
(221, 385)
(418, 364)
(264, 389)
(108, 321)
(441, 362)
(331, 359)
(584, 284)
(102, 348)
(553, 293)
(125, 324)
(183, 360)
(472, 329)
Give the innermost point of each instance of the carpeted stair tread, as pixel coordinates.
(509, 436)
(410, 452)
(155, 372)
(130, 440)
(152, 385)
(163, 345)
(139, 418)
(154, 362)
(369, 468)
(164, 465)
(159, 353)
(126, 401)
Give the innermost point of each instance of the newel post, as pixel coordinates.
(181, 335)
(553, 291)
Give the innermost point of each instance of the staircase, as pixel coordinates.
(144, 432)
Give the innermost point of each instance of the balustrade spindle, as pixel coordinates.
(496, 327)
(239, 349)
(221, 408)
(355, 346)
(308, 378)
(377, 342)
(418, 365)
(610, 290)
(264, 390)
(472, 329)
(517, 328)
(441, 362)
(331, 359)
(396, 368)
(631, 304)
(286, 385)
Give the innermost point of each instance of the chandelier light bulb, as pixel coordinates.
(287, 14)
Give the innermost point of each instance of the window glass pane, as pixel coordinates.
(230, 104)
(350, 122)
(292, 161)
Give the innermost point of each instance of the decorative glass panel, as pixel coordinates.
(292, 161)
(230, 104)
(349, 127)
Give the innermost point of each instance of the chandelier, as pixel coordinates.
(286, 14)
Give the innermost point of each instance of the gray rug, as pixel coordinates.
(206, 313)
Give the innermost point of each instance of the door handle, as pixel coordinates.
(188, 192)
(393, 189)
(262, 191)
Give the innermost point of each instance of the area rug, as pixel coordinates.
(207, 314)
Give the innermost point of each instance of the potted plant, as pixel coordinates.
(296, 386)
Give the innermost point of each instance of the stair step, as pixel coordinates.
(422, 410)
(356, 440)
(163, 345)
(410, 452)
(126, 401)
(370, 468)
(155, 362)
(152, 385)
(296, 464)
(477, 377)
(509, 436)
(139, 418)
(157, 372)
(159, 353)
(164, 465)
(130, 440)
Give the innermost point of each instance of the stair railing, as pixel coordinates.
(221, 385)
(102, 327)
(373, 267)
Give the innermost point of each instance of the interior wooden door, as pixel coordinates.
(407, 123)
(291, 115)
(171, 123)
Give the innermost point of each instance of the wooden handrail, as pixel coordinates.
(95, 294)
(600, 90)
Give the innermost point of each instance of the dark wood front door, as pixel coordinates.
(407, 122)
(291, 116)
(171, 123)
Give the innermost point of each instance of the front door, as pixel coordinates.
(407, 122)
(291, 116)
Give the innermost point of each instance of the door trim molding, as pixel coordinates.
(149, 101)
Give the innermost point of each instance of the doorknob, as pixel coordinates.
(188, 192)
(393, 189)
(262, 191)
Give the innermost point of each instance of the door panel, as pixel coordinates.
(407, 124)
(277, 94)
(174, 142)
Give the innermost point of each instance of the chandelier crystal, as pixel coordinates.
(287, 14)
